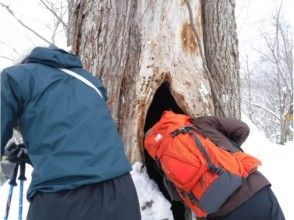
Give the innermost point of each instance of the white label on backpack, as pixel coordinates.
(158, 137)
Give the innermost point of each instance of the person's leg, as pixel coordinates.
(178, 209)
(108, 200)
(261, 206)
(276, 212)
(124, 203)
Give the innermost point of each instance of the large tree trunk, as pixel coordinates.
(136, 46)
(151, 57)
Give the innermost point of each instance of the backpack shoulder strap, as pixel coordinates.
(82, 79)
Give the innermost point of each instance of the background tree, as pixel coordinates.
(271, 96)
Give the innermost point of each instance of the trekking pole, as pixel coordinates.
(12, 183)
(21, 178)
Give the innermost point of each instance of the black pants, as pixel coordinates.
(261, 206)
(114, 199)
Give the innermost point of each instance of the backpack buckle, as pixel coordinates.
(183, 130)
(214, 169)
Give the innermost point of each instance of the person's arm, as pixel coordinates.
(226, 132)
(10, 107)
(234, 129)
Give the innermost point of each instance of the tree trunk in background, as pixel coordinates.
(222, 56)
(136, 46)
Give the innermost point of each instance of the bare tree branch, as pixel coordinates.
(24, 25)
(8, 46)
(274, 49)
(288, 51)
(55, 31)
(238, 15)
(53, 11)
(265, 56)
(267, 110)
(7, 58)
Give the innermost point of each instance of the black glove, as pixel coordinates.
(17, 153)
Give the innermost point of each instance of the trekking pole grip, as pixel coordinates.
(22, 171)
(12, 180)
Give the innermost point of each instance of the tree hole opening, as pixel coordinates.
(162, 101)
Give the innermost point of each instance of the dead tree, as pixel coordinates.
(157, 55)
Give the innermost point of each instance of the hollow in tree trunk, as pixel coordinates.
(158, 55)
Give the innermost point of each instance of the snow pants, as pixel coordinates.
(261, 206)
(114, 199)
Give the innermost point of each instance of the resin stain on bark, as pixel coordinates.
(188, 39)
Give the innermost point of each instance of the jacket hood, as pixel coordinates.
(54, 57)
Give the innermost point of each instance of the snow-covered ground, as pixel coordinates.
(276, 159)
(277, 162)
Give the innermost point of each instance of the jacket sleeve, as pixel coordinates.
(225, 132)
(234, 129)
(10, 107)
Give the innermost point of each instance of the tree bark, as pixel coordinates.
(221, 52)
(136, 46)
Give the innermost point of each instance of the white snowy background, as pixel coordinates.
(15, 41)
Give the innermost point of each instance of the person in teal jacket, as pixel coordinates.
(80, 168)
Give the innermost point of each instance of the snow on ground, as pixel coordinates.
(277, 161)
(13, 214)
(153, 204)
(276, 166)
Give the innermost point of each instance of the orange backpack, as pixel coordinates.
(204, 174)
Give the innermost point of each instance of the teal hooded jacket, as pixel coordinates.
(66, 126)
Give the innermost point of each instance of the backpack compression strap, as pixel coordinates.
(82, 79)
(190, 130)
